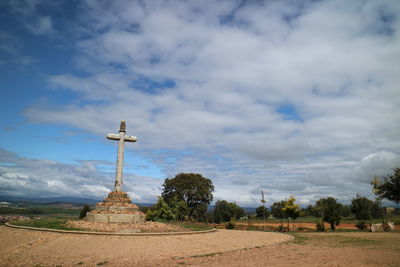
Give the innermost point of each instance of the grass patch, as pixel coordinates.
(299, 239)
(51, 223)
(207, 255)
(358, 241)
(193, 226)
(102, 263)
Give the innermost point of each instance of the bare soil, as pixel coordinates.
(20, 247)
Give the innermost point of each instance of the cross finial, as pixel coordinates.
(122, 126)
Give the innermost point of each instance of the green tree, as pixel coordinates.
(389, 188)
(377, 211)
(180, 210)
(361, 207)
(160, 211)
(308, 211)
(291, 209)
(345, 211)
(84, 211)
(192, 188)
(277, 210)
(260, 211)
(224, 211)
(329, 210)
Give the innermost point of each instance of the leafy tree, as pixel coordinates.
(329, 210)
(261, 211)
(180, 210)
(277, 210)
(237, 210)
(84, 211)
(377, 211)
(192, 188)
(160, 211)
(389, 188)
(361, 207)
(291, 209)
(308, 211)
(345, 211)
(224, 211)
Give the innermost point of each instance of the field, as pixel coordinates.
(224, 248)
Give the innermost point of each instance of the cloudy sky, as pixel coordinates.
(289, 97)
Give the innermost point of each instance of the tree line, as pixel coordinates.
(188, 195)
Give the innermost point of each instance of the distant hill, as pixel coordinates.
(50, 200)
(84, 201)
(59, 200)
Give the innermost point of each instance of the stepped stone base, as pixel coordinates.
(116, 208)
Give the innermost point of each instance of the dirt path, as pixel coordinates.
(239, 248)
(312, 249)
(20, 247)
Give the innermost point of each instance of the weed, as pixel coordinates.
(102, 263)
(207, 255)
(230, 225)
(79, 263)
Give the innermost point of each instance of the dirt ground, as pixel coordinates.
(20, 247)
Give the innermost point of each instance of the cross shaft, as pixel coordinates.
(121, 138)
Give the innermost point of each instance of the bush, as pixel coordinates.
(230, 225)
(83, 212)
(281, 228)
(320, 227)
(160, 212)
(361, 225)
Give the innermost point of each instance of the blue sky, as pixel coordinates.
(289, 97)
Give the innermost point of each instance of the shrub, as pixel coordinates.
(160, 211)
(230, 225)
(83, 212)
(281, 228)
(320, 227)
(361, 225)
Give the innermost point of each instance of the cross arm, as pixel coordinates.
(127, 138)
(113, 136)
(130, 138)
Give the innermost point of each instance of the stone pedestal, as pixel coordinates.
(116, 208)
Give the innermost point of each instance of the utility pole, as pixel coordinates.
(263, 203)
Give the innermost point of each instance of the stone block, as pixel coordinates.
(101, 208)
(120, 208)
(139, 218)
(390, 226)
(377, 227)
(100, 218)
(120, 218)
(89, 217)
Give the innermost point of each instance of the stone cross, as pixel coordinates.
(122, 138)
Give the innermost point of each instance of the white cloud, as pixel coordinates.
(233, 66)
(20, 176)
(43, 25)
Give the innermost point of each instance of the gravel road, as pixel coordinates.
(19, 247)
